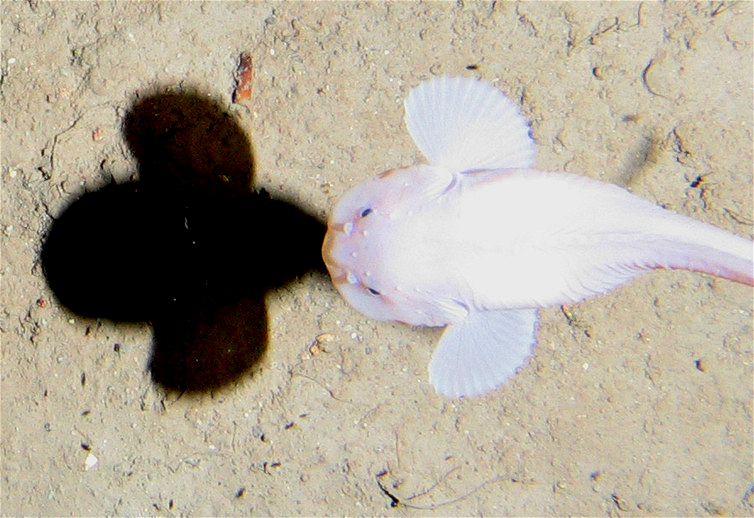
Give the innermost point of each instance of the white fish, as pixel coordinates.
(477, 241)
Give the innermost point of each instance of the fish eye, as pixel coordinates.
(373, 291)
(366, 212)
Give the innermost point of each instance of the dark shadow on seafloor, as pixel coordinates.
(190, 247)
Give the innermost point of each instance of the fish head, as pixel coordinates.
(362, 247)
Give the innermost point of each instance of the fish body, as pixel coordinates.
(477, 240)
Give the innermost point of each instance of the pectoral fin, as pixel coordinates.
(462, 124)
(482, 351)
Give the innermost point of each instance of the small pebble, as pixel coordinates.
(90, 462)
(324, 337)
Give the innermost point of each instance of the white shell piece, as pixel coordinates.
(90, 462)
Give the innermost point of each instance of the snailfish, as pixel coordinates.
(476, 240)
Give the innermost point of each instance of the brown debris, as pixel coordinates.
(243, 77)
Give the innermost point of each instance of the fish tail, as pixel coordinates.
(701, 247)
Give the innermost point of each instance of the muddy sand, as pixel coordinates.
(223, 375)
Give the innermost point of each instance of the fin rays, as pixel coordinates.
(462, 124)
(481, 352)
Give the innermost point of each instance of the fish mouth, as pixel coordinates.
(338, 272)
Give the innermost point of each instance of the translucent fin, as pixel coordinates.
(481, 352)
(462, 124)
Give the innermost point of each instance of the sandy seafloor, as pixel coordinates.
(638, 402)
